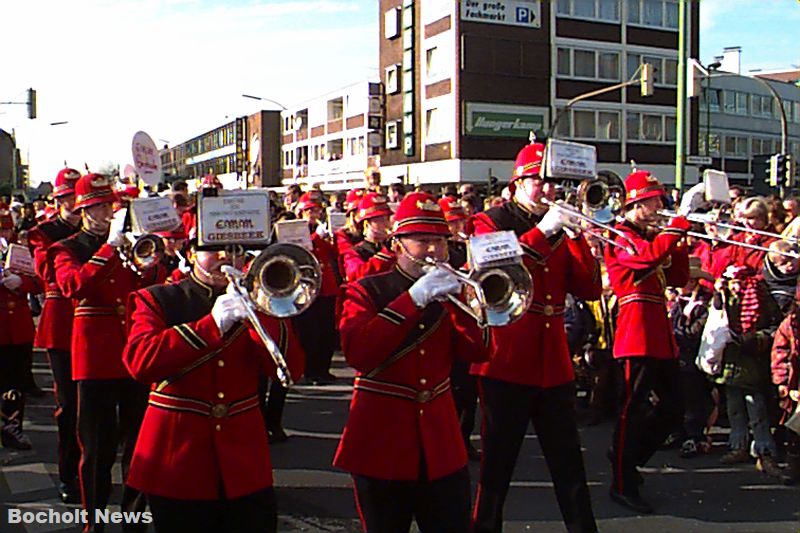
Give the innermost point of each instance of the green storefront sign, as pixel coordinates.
(507, 125)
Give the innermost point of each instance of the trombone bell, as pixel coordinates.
(283, 280)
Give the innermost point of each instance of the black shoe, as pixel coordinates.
(634, 502)
(69, 493)
(277, 435)
(472, 453)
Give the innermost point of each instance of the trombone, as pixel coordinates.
(700, 219)
(283, 281)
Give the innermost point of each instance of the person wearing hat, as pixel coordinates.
(88, 269)
(202, 457)
(54, 332)
(644, 342)
(530, 377)
(316, 327)
(349, 235)
(402, 442)
(16, 340)
(174, 261)
(370, 256)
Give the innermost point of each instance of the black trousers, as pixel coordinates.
(653, 409)
(253, 513)
(696, 391)
(316, 330)
(66, 416)
(13, 377)
(465, 397)
(110, 413)
(272, 400)
(507, 410)
(438, 506)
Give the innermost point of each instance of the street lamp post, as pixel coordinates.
(261, 98)
(713, 66)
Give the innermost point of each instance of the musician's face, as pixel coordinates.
(415, 248)
(457, 228)
(66, 205)
(647, 210)
(377, 229)
(313, 215)
(208, 264)
(535, 188)
(97, 218)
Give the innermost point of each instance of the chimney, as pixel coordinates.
(732, 59)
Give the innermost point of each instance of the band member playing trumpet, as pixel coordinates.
(202, 456)
(54, 332)
(644, 342)
(402, 442)
(529, 377)
(370, 256)
(89, 270)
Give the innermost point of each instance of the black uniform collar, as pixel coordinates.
(523, 212)
(64, 222)
(641, 232)
(407, 278)
(203, 289)
(94, 237)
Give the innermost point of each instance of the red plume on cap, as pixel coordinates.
(641, 185)
(93, 189)
(419, 212)
(65, 182)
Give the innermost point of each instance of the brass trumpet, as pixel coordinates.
(143, 252)
(283, 281)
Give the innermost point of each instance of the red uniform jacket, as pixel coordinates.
(202, 430)
(714, 259)
(326, 255)
(786, 359)
(402, 406)
(639, 282)
(55, 323)
(365, 259)
(533, 350)
(91, 273)
(344, 241)
(16, 322)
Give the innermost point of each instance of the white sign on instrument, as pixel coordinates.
(234, 217)
(294, 232)
(150, 215)
(336, 220)
(491, 248)
(717, 188)
(19, 260)
(571, 160)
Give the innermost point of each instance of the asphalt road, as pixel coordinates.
(690, 495)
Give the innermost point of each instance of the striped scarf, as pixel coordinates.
(749, 293)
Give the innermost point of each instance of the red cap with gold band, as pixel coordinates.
(93, 189)
(309, 201)
(65, 182)
(452, 209)
(641, 185)
(419, 212)
(373, 205)
(528, 163)
(352, 200)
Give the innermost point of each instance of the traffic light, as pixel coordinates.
(788, 175)
(493, 185)
(31, 103)
(647, 79)
(778, 164)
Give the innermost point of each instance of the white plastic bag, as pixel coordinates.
(716, 334)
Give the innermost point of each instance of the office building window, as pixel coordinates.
(564, 62)
(735, 146)
(434, 128)
(742, 103)
(662, 14)
(604, 10)
(608, 66)
(588, 124)
(583, 124)
(584, 63)
(670, 128)
(608, 125)
(434, 64)
(666, 68)
(588, 64)
(652, 127)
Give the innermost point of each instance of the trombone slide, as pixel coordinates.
(235, 278)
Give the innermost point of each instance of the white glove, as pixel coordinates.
(116, 233)
(693, 199)
(434, 285)
(322, 230)
(184, 266)
(228, 310)
(12, 281)
(554, 220)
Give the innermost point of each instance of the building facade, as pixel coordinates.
(332, 139)
(13, 173)
(242, 153)
(466, 82)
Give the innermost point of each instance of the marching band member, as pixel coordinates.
(349, 235)
(54, 332)
(644, 342)
(370, 256)
(202, 457)
(402, 441)
(530, 375)
(316, 326)
(89, 270)
(174, 247)
(16, 342)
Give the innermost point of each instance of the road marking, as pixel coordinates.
(28, 477)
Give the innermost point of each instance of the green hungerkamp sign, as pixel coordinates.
(489, 124)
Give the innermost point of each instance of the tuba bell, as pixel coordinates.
(283, 280)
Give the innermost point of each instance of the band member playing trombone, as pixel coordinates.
(54, 332)
(370, 256)
(202, 456)
(530, 377)
(89, 270)
(402, 441)
(644, 342)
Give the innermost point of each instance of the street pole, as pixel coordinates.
(680, 122)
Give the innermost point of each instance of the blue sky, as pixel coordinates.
(767, 31)
(175, 68)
